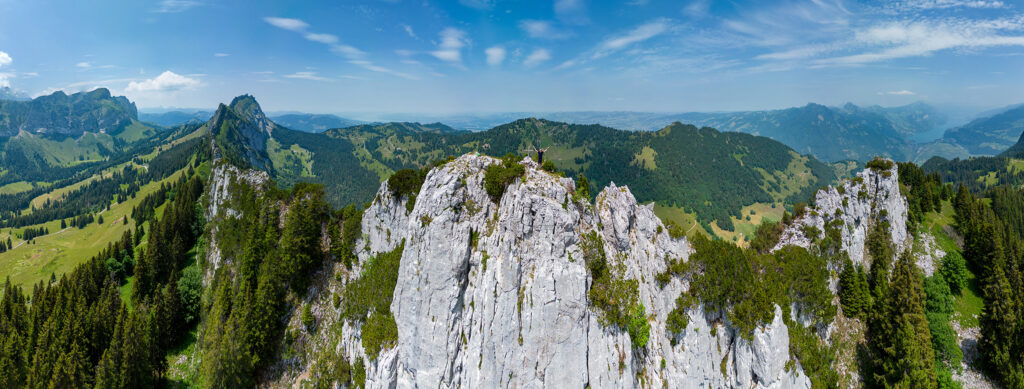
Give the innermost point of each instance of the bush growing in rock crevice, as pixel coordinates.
(499, 176)
(368, 300)
(616, 298)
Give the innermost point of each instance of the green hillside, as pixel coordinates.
(668, 166)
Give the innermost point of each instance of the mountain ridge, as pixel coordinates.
(60, 113)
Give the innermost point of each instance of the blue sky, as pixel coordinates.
(493, 55)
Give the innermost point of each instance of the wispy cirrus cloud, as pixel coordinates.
(542, 29)
(902, 92)
(537, 57)
(380, 69)
(306, 76)
(354, 55)
(175, 6)
(906, 39)
(409, 31)
(286, 23)
(944, 4)
(478, 4)
(639, 34)
(622, 41)
(326, 39)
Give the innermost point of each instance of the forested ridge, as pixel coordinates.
(672, 166)
(76, 331)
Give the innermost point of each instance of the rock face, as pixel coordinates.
(219, 197)
(493, 295)
(871, 195)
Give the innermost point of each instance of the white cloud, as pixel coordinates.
(287, 23)
(221, 54)
(83, 65)
(380, 69)
(478, 4)
(175, 6)
(903, 92)
(536, 57)
(166, 82)
(322, 38)
(643, 32)
(803, 52)
(541, 29)
(904, 39)
(347, 51)
(943, 4)
(306, 76)
(5, 59)
(495, 55)
(451, 40)
(450, 48)
(408, 30)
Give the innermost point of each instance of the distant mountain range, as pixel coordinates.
(829, 133)
(307, 122)
(174, 118)
(95, 111)
(314, 122)
(989, 135)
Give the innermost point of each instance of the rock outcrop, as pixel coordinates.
(224, 181)
(873, 195)
(493, 295)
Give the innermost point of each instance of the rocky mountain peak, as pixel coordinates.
(248, 109)
(241, 131)
(495, 294)
(853, 207)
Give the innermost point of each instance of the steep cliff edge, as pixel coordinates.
(496, 294)
(873, 195)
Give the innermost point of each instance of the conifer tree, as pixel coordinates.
(905, 355)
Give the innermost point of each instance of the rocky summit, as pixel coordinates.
(495, 294)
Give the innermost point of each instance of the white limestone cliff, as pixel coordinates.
(871, 195)
(512, 310)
